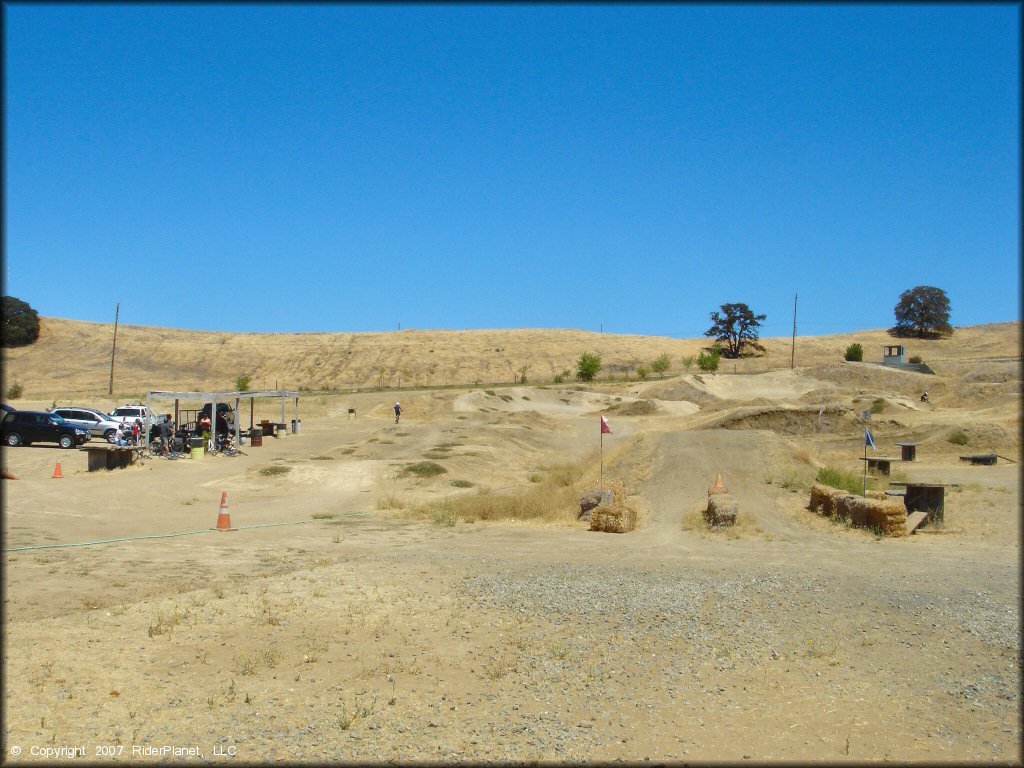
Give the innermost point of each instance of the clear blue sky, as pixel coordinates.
(353, 167)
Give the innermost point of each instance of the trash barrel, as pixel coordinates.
(296, 425)
(256, 437)
(280, 430)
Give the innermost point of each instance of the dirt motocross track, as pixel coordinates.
(346, 628)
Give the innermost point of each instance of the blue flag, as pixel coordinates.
(868, 439)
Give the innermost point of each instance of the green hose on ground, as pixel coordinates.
(172, 535)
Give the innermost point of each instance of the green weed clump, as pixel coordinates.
(845, 481)
(958, 438)
(878, 405)
(277, 469)
(423, 469)
(854, 353)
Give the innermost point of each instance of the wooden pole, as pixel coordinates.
(792, 354)
(600, 477)
(114, 350)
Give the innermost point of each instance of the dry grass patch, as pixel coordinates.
(552, 498)
(744, 527)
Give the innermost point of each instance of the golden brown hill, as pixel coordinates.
(72, 358)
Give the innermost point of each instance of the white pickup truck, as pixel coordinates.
(127, 414)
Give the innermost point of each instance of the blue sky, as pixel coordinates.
(631, 168)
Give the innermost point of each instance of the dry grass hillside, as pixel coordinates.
(172, 359)
(426, 591)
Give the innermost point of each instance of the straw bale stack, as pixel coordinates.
(825, 499)
(887, 515)
(721, 510)
(616, 517)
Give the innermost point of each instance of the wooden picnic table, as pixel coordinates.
(909, 451)
(926, 497)
(112, 456)
(879, 464)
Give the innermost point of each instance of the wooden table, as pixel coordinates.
(879, 464)
(926, 497)
(111, 456)
(909, 450)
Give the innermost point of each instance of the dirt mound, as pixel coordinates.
(636, 408)
(983, 436)
(680, 390)
(789, 421)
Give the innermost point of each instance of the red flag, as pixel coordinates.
(605, 429)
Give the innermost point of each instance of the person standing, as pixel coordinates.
(398, 411)
(136, 431)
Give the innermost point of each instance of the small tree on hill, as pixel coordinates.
(21, 323)
(922, 312)
(708, 361)
(587, 366)
(735, 327)
(662, 364)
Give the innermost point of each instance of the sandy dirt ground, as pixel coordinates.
(334, 626)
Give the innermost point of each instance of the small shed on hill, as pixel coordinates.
(893, 355)
(225, 397)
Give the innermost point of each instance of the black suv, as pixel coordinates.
(26, 427)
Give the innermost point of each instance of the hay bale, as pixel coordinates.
(592, 499)
(825, 499)
(888, 516)
(721, 510)
(617, 518)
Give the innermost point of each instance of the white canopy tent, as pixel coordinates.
(222, 397)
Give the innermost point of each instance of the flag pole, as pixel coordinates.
(600, 477)
(865, 463)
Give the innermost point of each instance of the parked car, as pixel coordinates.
(98, 423)
(127, 414)
(27, 427)
(7, 408)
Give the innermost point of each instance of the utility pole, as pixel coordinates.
(792, 354)
(114, 350)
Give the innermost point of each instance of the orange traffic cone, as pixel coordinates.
(224, 517)
(56, 471)
(717, 487)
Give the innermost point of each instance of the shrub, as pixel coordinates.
(423, 469)
(642, 371)
(15, 391)
(708, 361)
(587, 366)
(242, 382)
(661, 364)
(878, 405)
(915, 360)
(558, 378)
(688, 361)
(958, 438)
(854, 353)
